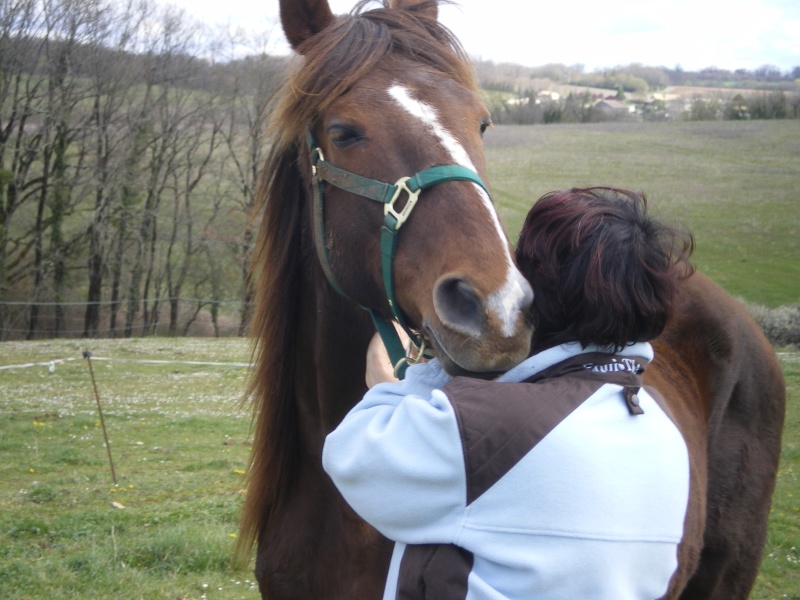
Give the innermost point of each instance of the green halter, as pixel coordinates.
(387, 194)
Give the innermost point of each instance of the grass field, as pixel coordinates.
(733, 184)
(179, 438)
(178, 441)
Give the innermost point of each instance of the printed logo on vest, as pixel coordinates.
(628, 365)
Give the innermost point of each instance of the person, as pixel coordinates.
(564, 478)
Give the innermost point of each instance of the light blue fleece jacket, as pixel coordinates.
(594, 510)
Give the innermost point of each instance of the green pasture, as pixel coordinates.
(179, 438)
(734, 184)
(179, 444)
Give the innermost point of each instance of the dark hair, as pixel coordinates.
(601, 270)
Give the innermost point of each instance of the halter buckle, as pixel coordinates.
(316, 156)
(401, 216)
(409, 359)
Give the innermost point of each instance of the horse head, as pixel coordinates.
(384, 95)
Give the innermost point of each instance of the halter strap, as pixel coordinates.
(387, 194)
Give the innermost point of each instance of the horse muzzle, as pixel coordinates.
(475, 333)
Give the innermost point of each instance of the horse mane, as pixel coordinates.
(332, 62)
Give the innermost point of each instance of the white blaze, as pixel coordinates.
(505, 302)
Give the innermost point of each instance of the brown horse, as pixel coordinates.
(378, 96)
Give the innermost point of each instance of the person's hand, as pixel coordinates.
(379, 367)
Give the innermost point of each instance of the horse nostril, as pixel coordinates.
(458, 305)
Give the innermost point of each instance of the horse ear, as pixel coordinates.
(428, 8)
(302, 19)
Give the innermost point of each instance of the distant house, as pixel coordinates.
(547, 96)
(665, 96)
(541, 98)
(614, 108)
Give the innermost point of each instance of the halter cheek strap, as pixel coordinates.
(387, 194)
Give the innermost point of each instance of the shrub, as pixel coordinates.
(781, 325)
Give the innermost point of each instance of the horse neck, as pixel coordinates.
(333, 335)
(694, 353)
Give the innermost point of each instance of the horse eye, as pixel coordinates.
(344, 136)
(485, 124)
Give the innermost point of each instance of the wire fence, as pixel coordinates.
(52, 364)
(164, 316)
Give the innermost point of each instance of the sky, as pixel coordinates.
(695, 34)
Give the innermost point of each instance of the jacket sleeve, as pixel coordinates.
(397, 460)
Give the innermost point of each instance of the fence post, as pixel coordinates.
(88, 356)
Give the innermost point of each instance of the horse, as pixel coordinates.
(384, 102)
(382, 115)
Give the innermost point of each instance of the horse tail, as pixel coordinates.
(275, 281)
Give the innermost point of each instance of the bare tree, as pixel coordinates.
(171, 105)
(252, 83)
(67, 22)
(22, 44)
(125, 155)
(199, 142)
(113, 83)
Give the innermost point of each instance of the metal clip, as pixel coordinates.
(409, 206)
(408, 358)
(317, 152)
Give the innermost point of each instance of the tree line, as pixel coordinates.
(530, 108)
(128, 166)
(634, 77)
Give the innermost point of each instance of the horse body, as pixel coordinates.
(726, 388)
(387, 94)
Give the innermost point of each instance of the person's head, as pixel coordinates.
(601, 270)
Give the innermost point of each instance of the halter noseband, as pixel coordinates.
(387, 194)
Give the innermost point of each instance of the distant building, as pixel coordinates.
(614, 108)
(541, 98)
(547, 96)
(665, 96)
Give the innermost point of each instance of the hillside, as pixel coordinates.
(130, 157)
